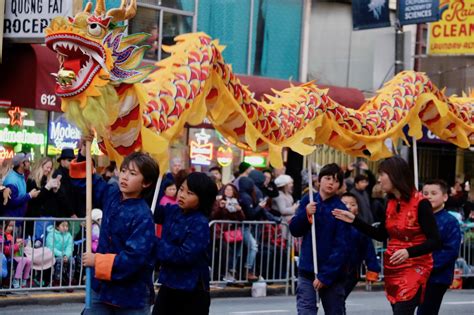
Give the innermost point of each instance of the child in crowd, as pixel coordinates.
(331, 242)
(444, 259)
(227, 207)
(362, 249)
(13, 249)
(60, 241)
(170, 193)
(96, 216)
(124, 262)
(183, 249)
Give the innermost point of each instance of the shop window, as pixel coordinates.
(164, 20)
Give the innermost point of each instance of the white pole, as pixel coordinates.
(313, 230)
(155, 195)
(415, 162)
(305, 28)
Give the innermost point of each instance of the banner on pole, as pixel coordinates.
(418, 11)
(367, 14)
(453, 34)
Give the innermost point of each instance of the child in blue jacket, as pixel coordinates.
(436, 191)
(361, 249)
(125, 258)
(332, 246)
(183, 249)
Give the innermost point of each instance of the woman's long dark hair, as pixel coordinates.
(400, 175)
(205, 189)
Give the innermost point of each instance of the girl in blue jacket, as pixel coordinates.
(124, 262)
(183, 249)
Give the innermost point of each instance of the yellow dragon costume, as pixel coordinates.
(131, 108)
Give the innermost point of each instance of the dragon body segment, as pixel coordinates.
(103, 88)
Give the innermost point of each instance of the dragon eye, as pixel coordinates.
(94, 29)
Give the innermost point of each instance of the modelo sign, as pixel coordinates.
(29, 18)
(62, 135)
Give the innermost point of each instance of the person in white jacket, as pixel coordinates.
(284, 203)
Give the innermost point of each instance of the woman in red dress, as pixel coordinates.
(410, 227)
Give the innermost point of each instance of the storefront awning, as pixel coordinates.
(348, 97)
(26, 80)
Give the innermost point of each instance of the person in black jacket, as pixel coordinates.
(253, 211)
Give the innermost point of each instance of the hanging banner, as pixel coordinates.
(418, 11)
(368, 14)
(453, 34)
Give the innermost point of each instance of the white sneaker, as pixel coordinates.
(16, 283)
(24, 283)
(229, 278)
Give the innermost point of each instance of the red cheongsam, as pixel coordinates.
(403, 281)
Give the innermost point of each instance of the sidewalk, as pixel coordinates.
(78, 296)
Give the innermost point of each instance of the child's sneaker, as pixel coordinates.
(24, 283)
(16, 283)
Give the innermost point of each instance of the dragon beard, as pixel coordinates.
(98, 113)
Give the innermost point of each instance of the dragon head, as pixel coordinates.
(94, 56)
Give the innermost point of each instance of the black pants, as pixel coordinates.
(407, 307)
(433, 297)
(179, 302)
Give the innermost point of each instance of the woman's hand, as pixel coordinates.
(88, 259)
(399, 257)
(34, 193)
(343, 215)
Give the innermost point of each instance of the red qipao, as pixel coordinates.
(403, 281)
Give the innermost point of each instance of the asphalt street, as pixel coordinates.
(459, 302)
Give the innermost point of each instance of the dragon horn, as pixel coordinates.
(124, 12)
(99, 8)
(88, 7)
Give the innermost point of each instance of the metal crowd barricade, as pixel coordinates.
(234, 243)
(25, 247)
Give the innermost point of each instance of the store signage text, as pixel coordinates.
(21, 136)
(29, 18)
(64, 135)
(5, 154)
(202, 150)
(454, 32)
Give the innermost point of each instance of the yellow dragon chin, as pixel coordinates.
(109, 95)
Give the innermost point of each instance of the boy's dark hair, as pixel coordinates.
(334, 170)
(400, 175)
(359, 178)
(205, 189)
(216, 168)
(348, 194)
(443, 186)
(147, 167)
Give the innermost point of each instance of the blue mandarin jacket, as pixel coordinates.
(332, 239)
(183, 250)
(445, 258)
(125, 256)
